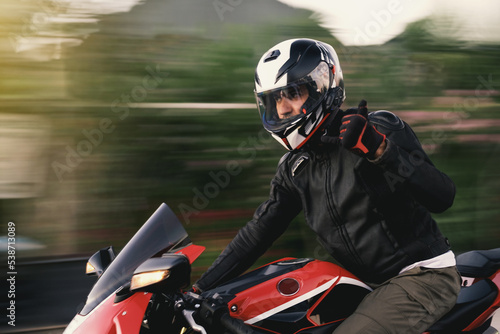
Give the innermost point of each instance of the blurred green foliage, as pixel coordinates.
(168, 154)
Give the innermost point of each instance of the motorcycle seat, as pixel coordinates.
(472, 301)
(479, 263)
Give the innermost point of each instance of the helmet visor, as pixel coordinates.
(284, 107)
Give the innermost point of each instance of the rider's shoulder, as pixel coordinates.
(290, 158)
(386, 119)
(284, 158)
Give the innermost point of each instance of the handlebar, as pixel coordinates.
(212, 312)
(236, 326)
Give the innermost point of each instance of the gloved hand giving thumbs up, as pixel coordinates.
(358, 135)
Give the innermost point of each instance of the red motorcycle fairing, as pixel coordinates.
(126, 312)
(486, 264)
(495, 278)
(301, 296)
(480, 295)
(106, 310)
(111, 317)
(292, 294)
(191, 252)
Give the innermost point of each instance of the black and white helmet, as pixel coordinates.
(305, 71)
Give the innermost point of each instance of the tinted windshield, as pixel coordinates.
(161, 233)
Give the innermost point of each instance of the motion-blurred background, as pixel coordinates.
(109, 108)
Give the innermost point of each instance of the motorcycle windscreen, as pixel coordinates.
(163, 232)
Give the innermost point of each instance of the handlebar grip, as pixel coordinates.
(236, 326)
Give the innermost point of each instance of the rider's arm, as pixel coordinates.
(406, 164)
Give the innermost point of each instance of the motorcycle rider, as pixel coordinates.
(365, 185)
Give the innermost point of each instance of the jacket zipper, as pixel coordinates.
(335, 216)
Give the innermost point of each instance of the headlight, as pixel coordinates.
(89, 269)
(144, 279)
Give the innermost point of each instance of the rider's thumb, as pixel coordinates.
(362, 108)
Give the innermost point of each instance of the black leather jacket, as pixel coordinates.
(371, 216)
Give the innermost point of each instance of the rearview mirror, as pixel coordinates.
(170, 272)
(100, 261)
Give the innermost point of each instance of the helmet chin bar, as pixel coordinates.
(297, 138)
(292, 141)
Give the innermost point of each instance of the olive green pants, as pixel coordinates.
(408, 303)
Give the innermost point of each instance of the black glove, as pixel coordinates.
(358, 135)
(331, 136)
(212, 309)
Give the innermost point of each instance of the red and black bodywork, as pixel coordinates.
(290, 295)
(302, 296)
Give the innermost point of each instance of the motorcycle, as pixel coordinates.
(141, 291)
